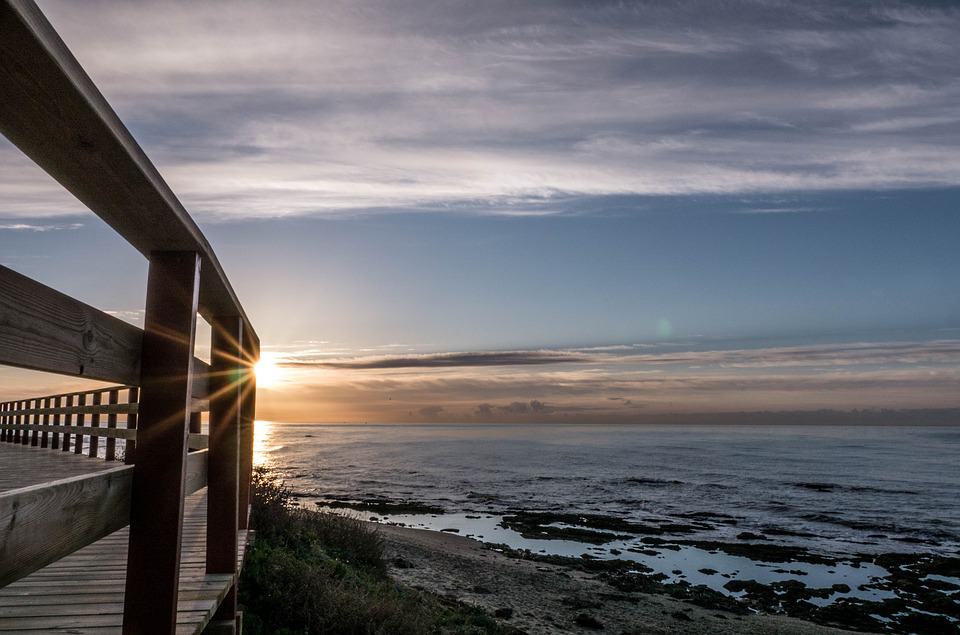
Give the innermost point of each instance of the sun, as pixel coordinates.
(268, 372)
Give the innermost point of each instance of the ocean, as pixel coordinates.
(840, 492)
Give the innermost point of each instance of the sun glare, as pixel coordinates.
(268, 372)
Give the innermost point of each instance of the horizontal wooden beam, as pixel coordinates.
(42, 523)
(197, 405)
(195, 440)
(102, 409)
(113, 433)
(43, 329)
(55, 114)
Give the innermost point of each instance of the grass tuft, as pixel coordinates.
(315, 572)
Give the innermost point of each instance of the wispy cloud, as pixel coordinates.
(256, 110)
(35, 227)
(446, 360)
(860, 353)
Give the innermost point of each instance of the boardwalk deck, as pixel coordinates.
(23, 465)
(84, 592)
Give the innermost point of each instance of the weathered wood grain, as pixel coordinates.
(226, 388)
(156, 512)
(43, 329)
(43, 523)
(90, 584)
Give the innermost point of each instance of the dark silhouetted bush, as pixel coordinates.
(315, 572)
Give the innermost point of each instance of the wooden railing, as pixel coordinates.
(60, 422)
(52, 111)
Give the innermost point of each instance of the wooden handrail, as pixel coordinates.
(43, 329)
(42, 523)
(195, 440)
(55, 114)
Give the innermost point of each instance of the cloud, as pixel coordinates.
(446, 360)
(618, 384)
(431, 411)
(858, 353)
(368, 107)
(515, 408)
(484, 410)
(36, 227)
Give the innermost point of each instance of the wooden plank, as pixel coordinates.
(55, 441)
(114, 433)
(54, 113)
(43, 329)
(110, 451)
(95, 424)
(45, 436)
(251, 349)
(226, 390)
(156, 513)
(16, 420)
(78, 431)
(90, 583)
(65, 446)
(35, 437)
(43, 523)
(195, 476)
(130, 447)
(122, 408)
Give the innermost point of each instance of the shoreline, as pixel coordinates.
(538, 597)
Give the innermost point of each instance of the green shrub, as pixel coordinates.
(314, 572)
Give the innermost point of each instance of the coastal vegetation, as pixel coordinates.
(314, 572)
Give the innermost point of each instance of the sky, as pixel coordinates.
(539, 211)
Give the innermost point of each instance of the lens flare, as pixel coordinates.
(268, 372)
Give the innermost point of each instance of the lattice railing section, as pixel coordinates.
(98, 423)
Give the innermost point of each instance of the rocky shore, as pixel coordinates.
(610, 587)
(537, 596)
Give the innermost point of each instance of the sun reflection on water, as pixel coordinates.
(263, 433)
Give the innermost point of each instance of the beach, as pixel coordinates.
(547, 598)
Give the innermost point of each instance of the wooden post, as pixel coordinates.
(45, 436)
(110, 453)
(130, 445)
(35, 434)
(156, 504)
(95, 423)
(78, 437)
(3, 420)
(16, 422)
(55, 442)
(67, 422)
(247, 415)
(223, 468)
(25, 420)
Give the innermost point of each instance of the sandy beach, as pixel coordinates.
(536, 597)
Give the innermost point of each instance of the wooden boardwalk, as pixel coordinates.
(23, 466)
(149, 546)
(84, 592)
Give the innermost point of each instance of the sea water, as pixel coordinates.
(836, 491)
